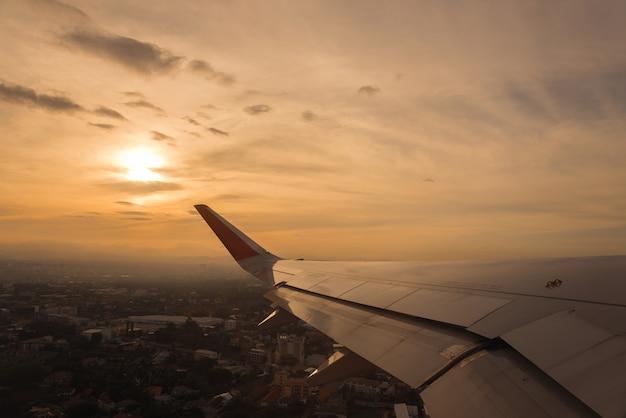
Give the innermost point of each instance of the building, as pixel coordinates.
(200, 354)
(69, 320)
(369, 387)
(43, 343)
(258, 355)
(335, 407)
(290, 346)
(403, 410)
(230, 325)
(89, 333)
(293, 385)
(154, 322)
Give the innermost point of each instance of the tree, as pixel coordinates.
(85, 409)
(166, 335)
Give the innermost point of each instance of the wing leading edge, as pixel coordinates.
(477, 339)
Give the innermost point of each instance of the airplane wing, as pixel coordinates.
(532, 338)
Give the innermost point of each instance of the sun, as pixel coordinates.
(140, 164)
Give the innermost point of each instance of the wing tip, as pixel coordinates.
(238, 244)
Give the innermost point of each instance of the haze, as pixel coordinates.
(323, 129)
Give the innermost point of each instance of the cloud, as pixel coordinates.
(110, 113)
(134, 94)
(576, 96)
(205, 115)
(217, 131)
(257, 109)
(592, 95)
(58, 103)
(368, 90)
(460, 107)
(125, 203)
(142, 187)
(139, 56)
(191, 120)
(573, 99)
(133, 213)
(308, 115)
(526, 101)
(23, 95)
(617, 231)
(158, 136)
(143, 103)
(251, 93)
(614, 86)
(103, 125)
(259, 156)
(206, 70)
(196, 134)
(229, 196)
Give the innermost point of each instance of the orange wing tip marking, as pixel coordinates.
(235, 241)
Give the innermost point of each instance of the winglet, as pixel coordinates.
(236, 242)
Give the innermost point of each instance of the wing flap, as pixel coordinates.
(500, 384)
(410, 349)
(586, 359)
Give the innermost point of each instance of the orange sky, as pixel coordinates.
(324, 129)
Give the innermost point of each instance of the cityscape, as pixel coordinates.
(89, 339)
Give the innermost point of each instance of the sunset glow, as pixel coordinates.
(141, 164)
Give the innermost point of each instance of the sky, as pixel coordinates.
(326, 129)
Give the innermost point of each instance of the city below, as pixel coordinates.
(90, 339)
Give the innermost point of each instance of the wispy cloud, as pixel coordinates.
(106, 126)
(583, 96)
(139, 56)
(308, 115)
(217, 131)
(260, 156)
(206, 70)
(205, 115)
(145, 104)
(191, 120)
(257, 109)
(460, 107)
(133, 213)
(368, 90)
(142, 187)
(134, 94)
(23, 95)
(110, 113)
(159, 136)
(126, 203)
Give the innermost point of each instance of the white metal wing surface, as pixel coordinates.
(541, 338)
